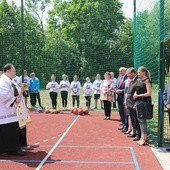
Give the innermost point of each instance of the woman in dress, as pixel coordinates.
(143, 92)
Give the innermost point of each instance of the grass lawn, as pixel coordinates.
(46, 101)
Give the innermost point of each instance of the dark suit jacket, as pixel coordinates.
(130, 101)
(166, 94)
(120, 96)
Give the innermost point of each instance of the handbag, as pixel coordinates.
(103, 96)
(144, 110)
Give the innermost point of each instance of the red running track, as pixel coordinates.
(69, 142)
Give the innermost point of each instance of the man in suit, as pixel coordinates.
(166, 97)
(130, 104)
(120, 86)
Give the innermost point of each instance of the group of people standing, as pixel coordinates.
(64, 86)
(130, 89)
(75, 87)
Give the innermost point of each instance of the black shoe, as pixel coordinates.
(95, 108)
(20, 153)
(128, 132)
(168, 149)
(121, 128)
(124, 130)
(132, 136)
(137, 138)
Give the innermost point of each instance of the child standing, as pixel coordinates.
(88, 87)
(26, 79)
(75, 91)
(53, 87)
(64, 86)
(96, 86)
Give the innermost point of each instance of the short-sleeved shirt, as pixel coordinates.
(96, 86)
(64, 85)
(52, 86)
(75, 86)
(88, 87)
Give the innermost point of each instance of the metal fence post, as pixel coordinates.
(161, 77)
(162, 55)
(160, 118)
(22, 40)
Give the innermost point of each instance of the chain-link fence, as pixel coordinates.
(152, 49)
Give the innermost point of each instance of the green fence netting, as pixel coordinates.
(146, 46)
(151, 47)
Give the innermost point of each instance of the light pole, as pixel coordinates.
(22, 40)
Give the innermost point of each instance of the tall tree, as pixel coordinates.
(91, 25)
(38, 7)
(9, 34)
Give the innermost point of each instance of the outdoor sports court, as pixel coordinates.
(69, 142)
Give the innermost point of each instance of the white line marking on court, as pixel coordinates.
(46, 140)
(53, 137)
(56, 144)
(37, 143)
(59, 134)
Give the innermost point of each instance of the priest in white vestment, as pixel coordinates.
(9, 126)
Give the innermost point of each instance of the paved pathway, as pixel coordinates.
(163, 157)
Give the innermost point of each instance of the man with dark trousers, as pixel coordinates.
(166, 97)
(120, 86)
(34, 90)
(130, 104)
